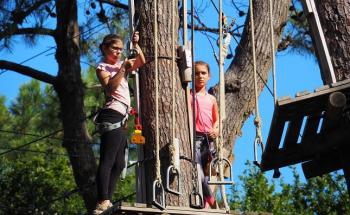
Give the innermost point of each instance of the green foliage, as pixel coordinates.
(297, 36)
(126, 188)
(32, 183)
(37, 177)
(320, 195)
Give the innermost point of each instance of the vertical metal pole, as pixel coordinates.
(140, 171)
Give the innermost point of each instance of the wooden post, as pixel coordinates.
(319, 42)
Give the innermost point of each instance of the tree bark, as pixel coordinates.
(69, 87)
(239, 81)
(335, 20)
(148, 94)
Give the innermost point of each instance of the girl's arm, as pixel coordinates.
(215, 114)
(110, 84)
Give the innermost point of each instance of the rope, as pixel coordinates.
(158, 176)
(193, 84)
(194, 166)
(257, 120)
(221, 105)
(172, 146)
(273, 54)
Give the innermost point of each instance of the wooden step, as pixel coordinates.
(140, 209)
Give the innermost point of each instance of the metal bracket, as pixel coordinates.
(172, 170)
(217, 163)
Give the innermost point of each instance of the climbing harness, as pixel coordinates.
(173, 170)
(103, 127)
(158, 195)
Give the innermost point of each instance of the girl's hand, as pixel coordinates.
(128, 64)
(135, 37)
(214, 133)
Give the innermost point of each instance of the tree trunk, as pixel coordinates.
(69, 88)
(335, 20)
(239, 81)
(148, 94)
(239, 78)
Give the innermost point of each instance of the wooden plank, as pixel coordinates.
(302, 93)
(343, 87)
(329, 153)
(313, 106)
(311, 126)
(284, 98)
(339, 83)
(317, 147)
(308, 104)
(327, 163)
(140, 209)
(275, 133)
(324, 87)
(319, 41)
(284, 158)
(292, 133)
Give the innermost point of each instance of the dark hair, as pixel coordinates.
(202, 63)
(110, 39)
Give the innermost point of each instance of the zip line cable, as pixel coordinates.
(31, 142)
(37, 135)
(53, 47)
(239, 45)
(34, 151)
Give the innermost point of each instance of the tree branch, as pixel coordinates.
(212, 30)
(115, 4)
(28, 71)
(22, 31)
(18, 15)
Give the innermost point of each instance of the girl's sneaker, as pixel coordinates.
(102, 206)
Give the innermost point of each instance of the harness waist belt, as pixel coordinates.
(107, 126)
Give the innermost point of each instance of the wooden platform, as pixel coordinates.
(141, 209)
(307, 129)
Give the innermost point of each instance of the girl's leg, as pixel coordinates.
(119, 162)
(107, 157)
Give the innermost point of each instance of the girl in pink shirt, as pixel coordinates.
(111, 73)
(207, 129)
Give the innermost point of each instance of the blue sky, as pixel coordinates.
(294, 73)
